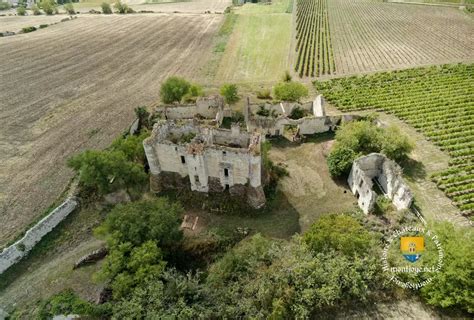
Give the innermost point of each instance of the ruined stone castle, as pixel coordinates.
(209, 159)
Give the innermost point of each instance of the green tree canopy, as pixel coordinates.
(452, 287)
(230, 93)
(173, 89)
(340, 233)
(290, 91)
(359, 138)
(106, 170)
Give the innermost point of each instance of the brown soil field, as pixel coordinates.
(74, 86)
(193, 6)
(16, 23)
(369, 36)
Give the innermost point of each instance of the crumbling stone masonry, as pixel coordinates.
(274, 119)
(206, 108)
(183, 152)
(376, 167)
(14, 253)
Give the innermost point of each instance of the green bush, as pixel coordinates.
(452, 286)
(194, 92)
(287, 77)
(6, 6)
(105, 171)
(122, 8)
(106, 9)
(230, 93)
(290, 91)
(139, 236)
(42, 26)
(174, 89)
(48, 6)
(35, 9)
(69, 8)
(297, 113)
(28, 29)
(340, 161)
(67, 302)
(359, 138)
(264, 94)
(340, 233)
(21, 11)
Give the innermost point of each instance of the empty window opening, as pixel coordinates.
(196, 179)
(224, 153)
(360, 183)
(183, 159)
(226, 172)
(226, 187)
(357, 194)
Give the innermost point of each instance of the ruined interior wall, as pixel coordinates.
(180, 112)
(226, 137)
(13, 253)
(387, 173)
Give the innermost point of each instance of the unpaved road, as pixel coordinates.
(74, 86)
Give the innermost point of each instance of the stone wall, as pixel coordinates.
(210, 108)
(275, 123)
(20, 249)
(387, 173)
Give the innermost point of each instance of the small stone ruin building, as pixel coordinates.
(377, 168)
(291, 119)
(206, 109)
(184, 152)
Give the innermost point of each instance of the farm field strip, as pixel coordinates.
(423, 99)
(373, 36)
(81, 91)
(313, 45)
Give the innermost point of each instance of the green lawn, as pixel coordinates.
(258, 49)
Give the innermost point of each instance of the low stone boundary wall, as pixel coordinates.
(20, 249)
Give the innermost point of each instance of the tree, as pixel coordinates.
(174, 89)
(98, 169)
(359, 138)
(230, 93)
(106, 9)
(290, 91)
(21, 11)
(139, 235)
(340, 161)
(339, 233)
(131, 147)
(137, 222)
(396, 145)
(35, 9)
(452, 286)
(122, 8)
(69, 8)
(48, 6)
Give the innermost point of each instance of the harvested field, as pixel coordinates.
(194, 6)
(74, 86)
(369, 36)
(16, 23)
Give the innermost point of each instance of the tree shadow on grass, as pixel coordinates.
(414, 170)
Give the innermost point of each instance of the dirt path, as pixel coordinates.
(74, 86)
